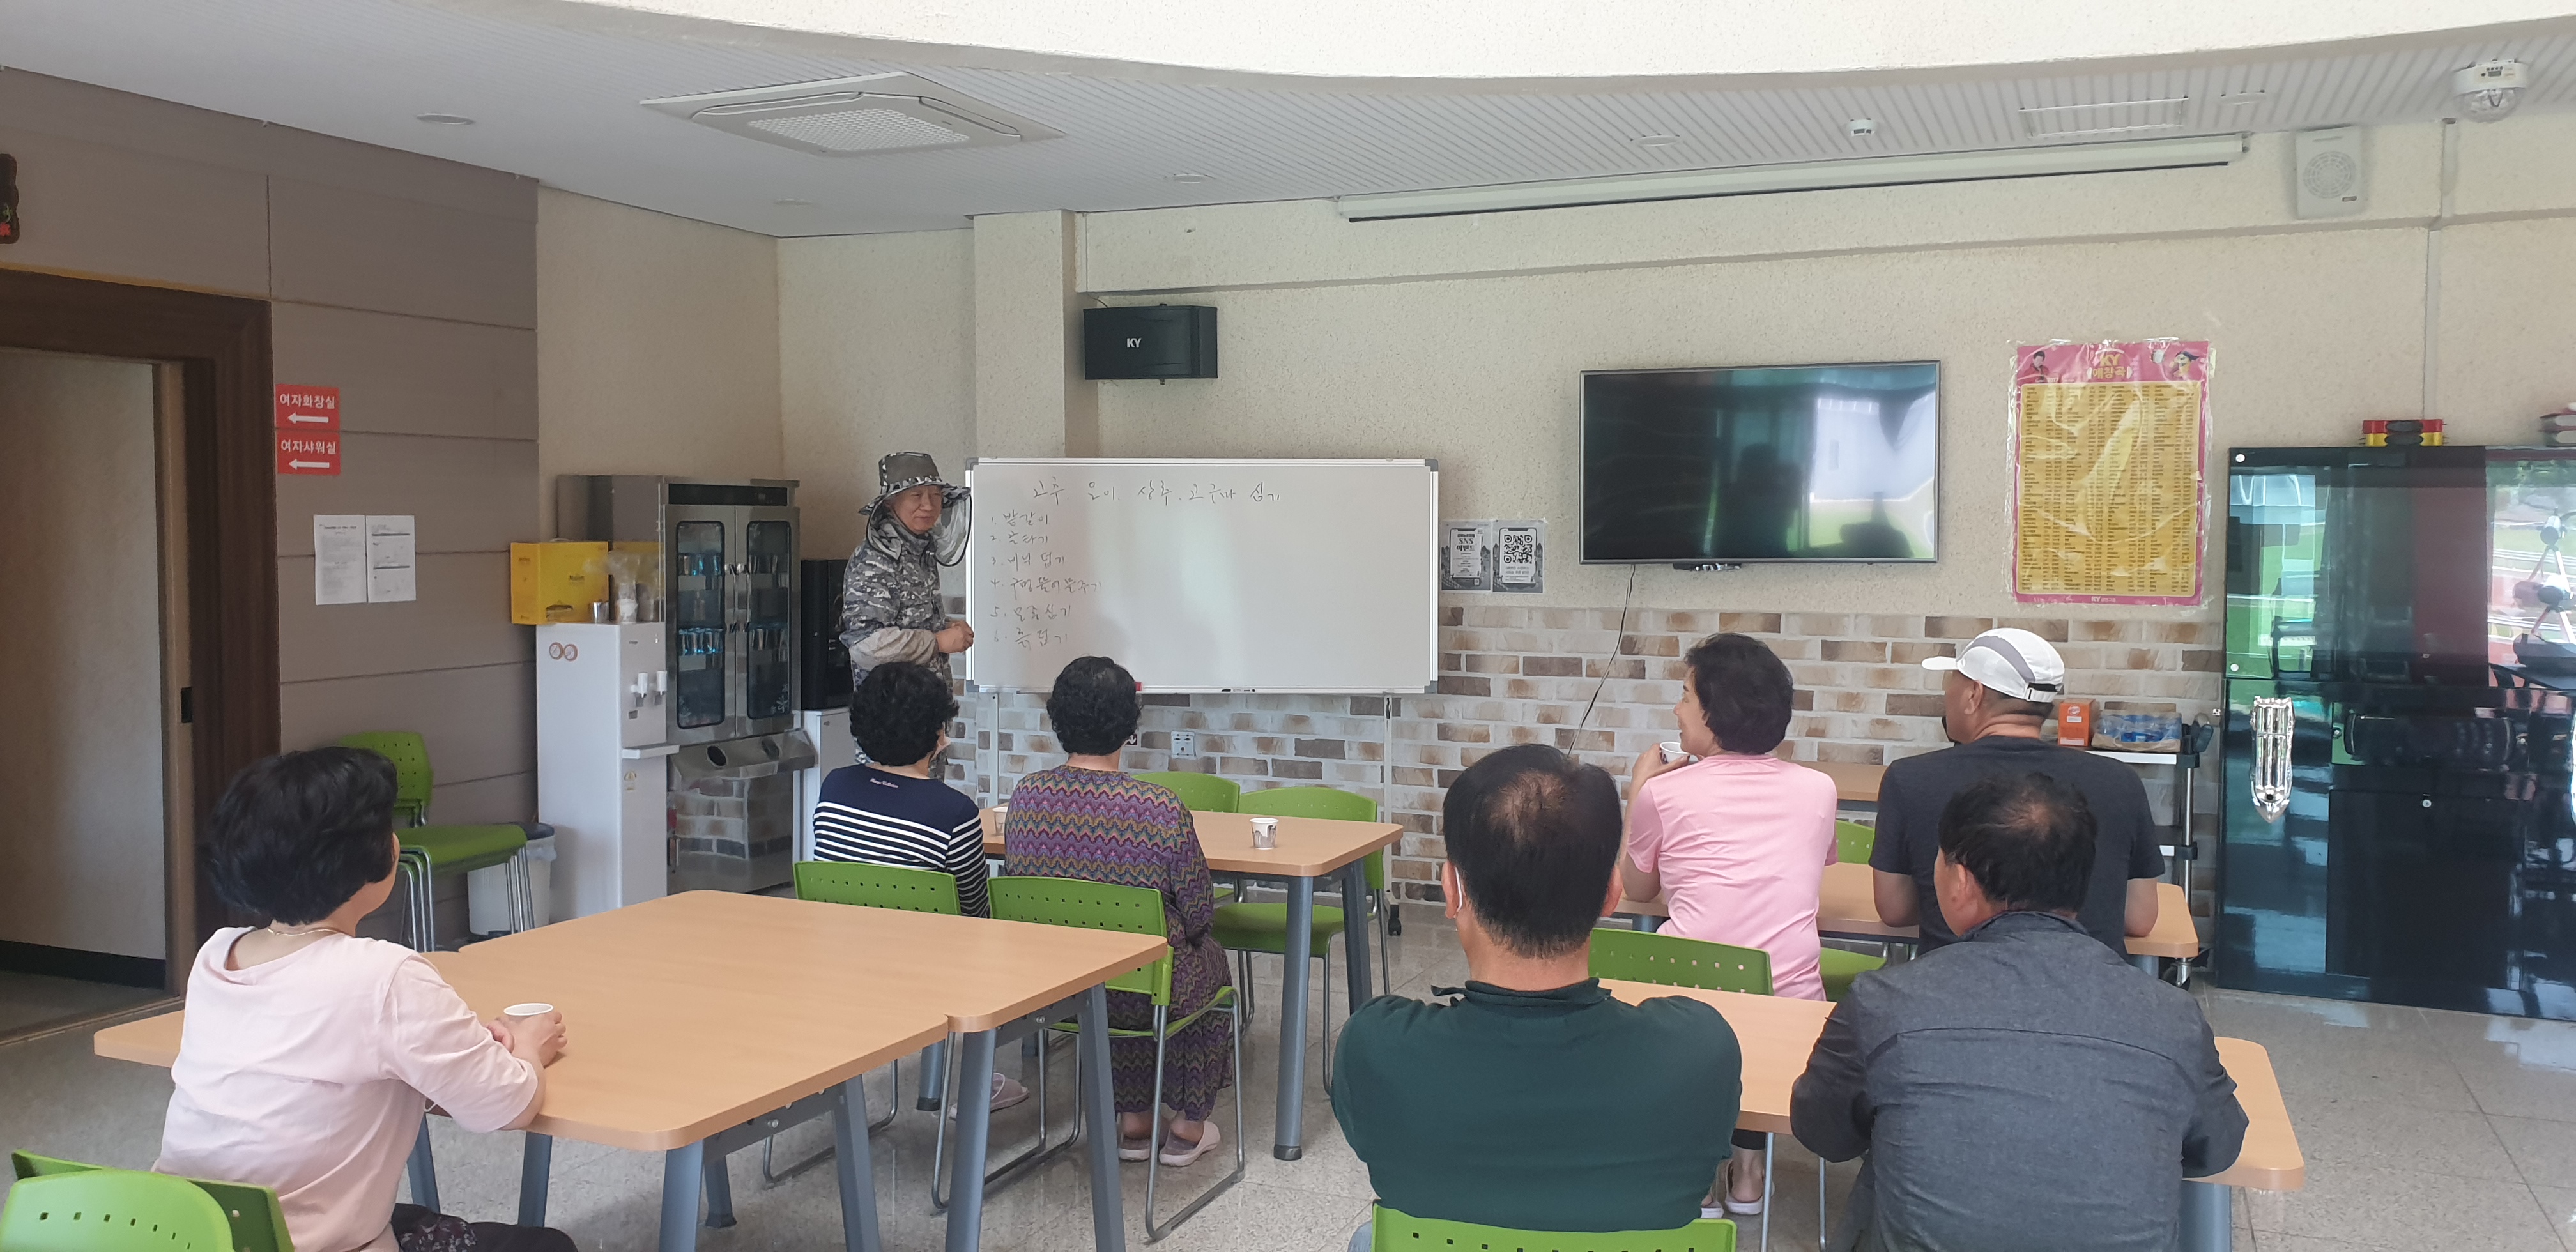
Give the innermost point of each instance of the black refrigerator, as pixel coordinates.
(2399, 670)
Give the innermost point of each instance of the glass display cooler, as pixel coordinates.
(2397, 755)
(718, 567)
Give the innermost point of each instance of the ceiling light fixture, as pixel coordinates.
(2490, 89)
(863, 116)
(445, 119)
(1935, 167)
(1861, 127)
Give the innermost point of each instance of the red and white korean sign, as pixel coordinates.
(300, 453)
(308, 429)
(307, 408)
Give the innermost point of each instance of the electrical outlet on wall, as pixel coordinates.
(1185, 745)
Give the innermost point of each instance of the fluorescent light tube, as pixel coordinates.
(1931, 167)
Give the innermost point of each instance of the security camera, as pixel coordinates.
(2489, 90)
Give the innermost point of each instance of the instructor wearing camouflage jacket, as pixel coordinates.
(891, 609)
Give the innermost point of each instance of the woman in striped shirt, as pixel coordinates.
(901, 814)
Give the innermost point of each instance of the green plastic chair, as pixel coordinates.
(1853, 841)
(113, 1210)
(1200, 793)
(878, 886)
(428, 851)
(1132, 910)
(1246, 929)
(258, 1223)
(1391, 1231)
(1672, 961)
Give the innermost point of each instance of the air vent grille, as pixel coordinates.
(2119, 117)
(863, 116)
(861, 130)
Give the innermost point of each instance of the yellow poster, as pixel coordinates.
(2108, 445)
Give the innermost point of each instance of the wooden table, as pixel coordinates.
(1310, 849)
(1847, 909)
(1776, 1035)
(1855, 785)
(695, 1020)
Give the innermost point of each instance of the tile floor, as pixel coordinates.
(2422, 1129)
(33, 1002)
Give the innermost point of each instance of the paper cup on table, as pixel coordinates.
(522, 1012)
(1265, 833)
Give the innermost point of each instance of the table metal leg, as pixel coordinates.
(1289, 1143)
(423, 1169)
(1355, 932)
(2144, 962)
(934, 1075)
(719, 1191)
(683, 1173)
(536, 1162)
(1108, 1223)
(974, 1132)
(2208, 1217)
(858, 1172)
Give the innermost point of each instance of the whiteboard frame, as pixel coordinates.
(1431, 536)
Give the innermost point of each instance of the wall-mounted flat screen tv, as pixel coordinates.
(1775, 463)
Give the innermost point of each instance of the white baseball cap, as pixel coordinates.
(2010, 660)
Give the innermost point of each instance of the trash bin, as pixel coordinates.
(487, 890)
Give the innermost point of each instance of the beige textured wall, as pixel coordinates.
(657, 345)
(409, 284)
(80, 593)
(876, 354)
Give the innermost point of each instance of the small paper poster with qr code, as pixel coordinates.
(1467, 555)
(2108, 443)
(1520, 554)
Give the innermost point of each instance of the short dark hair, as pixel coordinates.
(297, 834)
(1535, 835)
(898, 710)
(1093, 706)
(1744, 690)
(2026, 838)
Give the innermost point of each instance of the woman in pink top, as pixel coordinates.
(1739, 838)
(309, 1053)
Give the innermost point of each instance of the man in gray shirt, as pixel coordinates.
(2023, 1088)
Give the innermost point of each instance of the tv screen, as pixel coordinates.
(1786, 463)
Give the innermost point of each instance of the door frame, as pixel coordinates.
(220, 348)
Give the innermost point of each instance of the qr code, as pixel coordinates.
(1520, 549)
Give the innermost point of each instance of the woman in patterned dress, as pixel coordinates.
(1088, 819)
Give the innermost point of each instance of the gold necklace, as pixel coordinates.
(309, 930)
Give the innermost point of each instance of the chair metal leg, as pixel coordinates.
(1010, 1171)
(1154, 1232)
(1820, 1204)
(1768, 1142)
(1154, 1118)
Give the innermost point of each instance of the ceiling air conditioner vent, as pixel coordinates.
(856, 116)
(2119, 117)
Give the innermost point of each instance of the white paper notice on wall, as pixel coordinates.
(1520, 554)
(390, 574)
(339, 558)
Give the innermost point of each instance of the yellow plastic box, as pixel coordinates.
(556, 582)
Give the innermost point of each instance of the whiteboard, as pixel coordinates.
(1205, 575)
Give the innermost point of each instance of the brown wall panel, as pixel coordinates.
(468, 495)
(462, 618)
(480, 723)
(351, 249)
(97, 210)
(508, 798)
(413, 375)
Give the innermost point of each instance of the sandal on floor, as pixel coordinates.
(1726, 1195)
(1176, 1156)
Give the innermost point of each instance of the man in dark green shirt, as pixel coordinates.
(1535, 1101)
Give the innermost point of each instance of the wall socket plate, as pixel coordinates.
(1185, 745)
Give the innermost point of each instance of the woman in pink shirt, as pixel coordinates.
(1740, 838)
(309, 1053)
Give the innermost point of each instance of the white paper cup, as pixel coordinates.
(533, 1008)
(1265, 833)
(1672, 750)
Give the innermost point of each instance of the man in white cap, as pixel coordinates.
(1994, 695)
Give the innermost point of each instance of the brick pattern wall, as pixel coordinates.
(1528, 675)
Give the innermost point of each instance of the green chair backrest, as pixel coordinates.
(113, 1210)
(258, 1222)
(878, 886)
(1330, 803)
(1672, 961)
(1853, 841)
(412, 778)
(1092, 906)
(1199, 793)
(1391, 1231)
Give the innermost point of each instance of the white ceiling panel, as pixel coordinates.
(563, 104)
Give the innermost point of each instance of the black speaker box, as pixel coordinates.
(1149, 341)
(822, 664)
